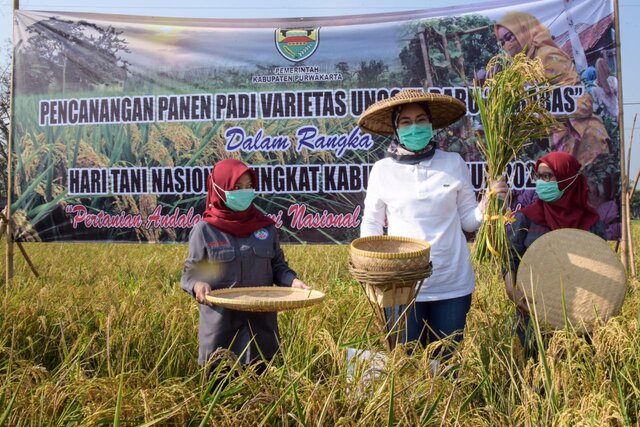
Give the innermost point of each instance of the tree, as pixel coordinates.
(370, 74)
(342, 67)
(457, 48)
(5, 104)
(635, 205)
(63, 54)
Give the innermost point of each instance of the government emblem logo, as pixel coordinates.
(297, 44)
(261, 234)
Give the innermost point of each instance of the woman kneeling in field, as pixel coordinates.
(235, 246)
(562, 203)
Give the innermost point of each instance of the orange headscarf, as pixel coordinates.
(536, 39)
(583, 134)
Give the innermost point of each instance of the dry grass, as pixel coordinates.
(106, 336)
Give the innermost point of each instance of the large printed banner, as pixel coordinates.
(118, 119)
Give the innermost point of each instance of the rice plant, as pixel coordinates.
(106, 336)
(513, 111)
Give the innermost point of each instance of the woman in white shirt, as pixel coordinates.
(425, 193)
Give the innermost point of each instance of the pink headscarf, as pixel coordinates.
(572, 210)
(226, 174)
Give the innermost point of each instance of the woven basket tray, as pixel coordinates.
(388, 289)
(574, 273)
(390, 297)
(264, 298)
(389, 254)
(387, 279)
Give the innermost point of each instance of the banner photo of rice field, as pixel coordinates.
(119, 119)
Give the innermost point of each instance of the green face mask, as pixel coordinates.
(415, 137)
(548, 191)
(238, 200)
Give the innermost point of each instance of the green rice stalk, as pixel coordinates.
(429, 411)
(623, 406)
(391, 418)
(548, 378)
(7, 411)
(512, 107)
(299, 407)
(118, 411)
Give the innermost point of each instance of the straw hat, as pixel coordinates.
(444, 110)
(573, 270)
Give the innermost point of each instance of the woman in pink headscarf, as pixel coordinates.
(239, 247)
(563, 202)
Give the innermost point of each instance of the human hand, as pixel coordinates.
(515, 294)
(499, 188)
(200, 290)
(299, 284)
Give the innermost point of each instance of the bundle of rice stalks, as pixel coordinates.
(513, 111)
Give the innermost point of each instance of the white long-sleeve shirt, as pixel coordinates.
(434, 201)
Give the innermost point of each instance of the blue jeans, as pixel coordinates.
(430, 321)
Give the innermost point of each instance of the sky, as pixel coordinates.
(247, 9)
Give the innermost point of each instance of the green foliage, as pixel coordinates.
(452, 64)
(370, 73)
(635, 205)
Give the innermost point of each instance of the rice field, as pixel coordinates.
(106, 337)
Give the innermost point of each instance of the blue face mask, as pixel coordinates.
(548, 191)
(238, 200)
(415, 137)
